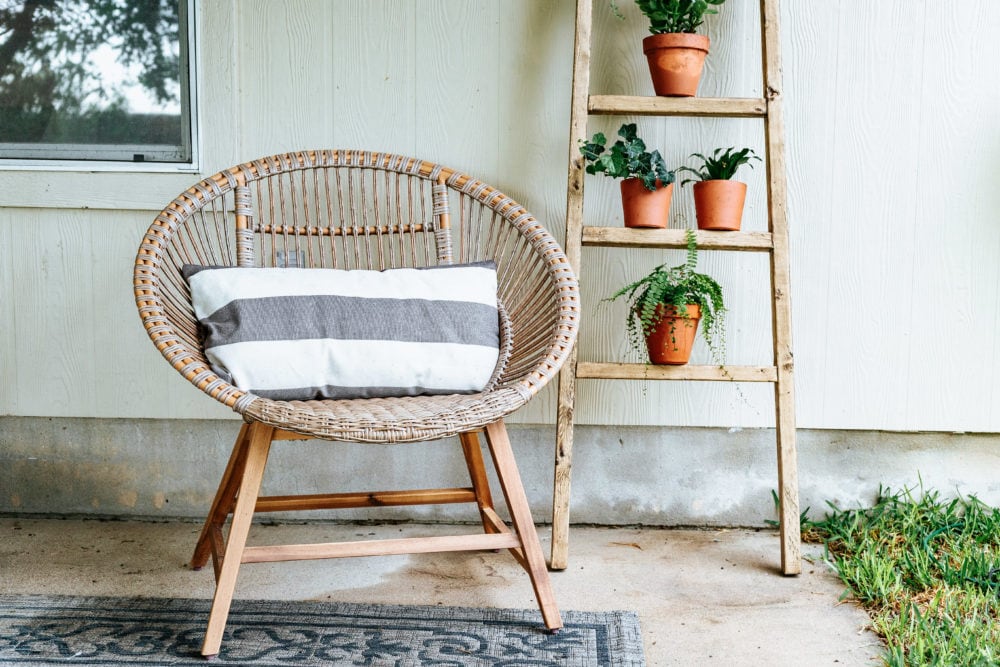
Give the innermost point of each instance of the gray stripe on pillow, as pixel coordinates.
(333, 392)
(295, 318)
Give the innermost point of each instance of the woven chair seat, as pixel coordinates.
(388, 420)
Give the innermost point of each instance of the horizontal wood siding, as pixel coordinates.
(892, 149)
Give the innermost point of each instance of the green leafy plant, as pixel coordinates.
(672, 16)
(677, 286)
(721, 165)
(627, 158)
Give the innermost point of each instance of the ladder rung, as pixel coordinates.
(734, 107)
(618, 371)
(631, 237)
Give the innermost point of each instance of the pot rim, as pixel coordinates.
(675, 40)
(734, 182)
(664, 309)
(631, 181)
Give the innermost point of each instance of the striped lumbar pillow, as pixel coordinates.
(300, 334)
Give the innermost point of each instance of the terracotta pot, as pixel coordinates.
(645, 208)
(671, 340)
(719, 204)
(675, 62)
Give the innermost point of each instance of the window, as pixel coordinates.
(96, 80)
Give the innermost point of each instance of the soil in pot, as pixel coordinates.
(645, 208)
(671, 340)
(719, 204)
(675, 62)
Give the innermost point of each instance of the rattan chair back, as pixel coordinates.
(355, 209)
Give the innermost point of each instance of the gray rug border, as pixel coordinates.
(623, 626)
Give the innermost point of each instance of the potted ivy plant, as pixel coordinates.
(647, 184)
(676, 55)
(664, 308)
(718, 200)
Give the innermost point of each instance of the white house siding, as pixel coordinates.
(893, 132)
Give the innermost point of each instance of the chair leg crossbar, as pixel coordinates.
(238, 496)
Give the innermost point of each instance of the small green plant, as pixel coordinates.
(805, 524)
(673, 16)
(627, 158)
(721, 165)
(677, 286)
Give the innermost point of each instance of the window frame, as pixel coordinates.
(190, 125)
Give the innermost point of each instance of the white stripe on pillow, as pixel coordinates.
(273, 365)
(301, 334)
(477, 284)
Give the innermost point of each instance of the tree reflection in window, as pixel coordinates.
(94, 79)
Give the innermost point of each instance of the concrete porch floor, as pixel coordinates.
(703, 596)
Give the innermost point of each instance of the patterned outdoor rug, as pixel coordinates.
(45, 630)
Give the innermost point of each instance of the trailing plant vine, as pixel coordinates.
(678, 286)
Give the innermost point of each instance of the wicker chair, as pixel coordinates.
(361, 210)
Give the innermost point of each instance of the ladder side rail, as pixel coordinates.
(574, 239)
(781, 311)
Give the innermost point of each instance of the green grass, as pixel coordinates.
(926, 569)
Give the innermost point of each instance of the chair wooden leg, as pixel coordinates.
(517, 503)
(477, 472)
(225, 496)
(259, 444)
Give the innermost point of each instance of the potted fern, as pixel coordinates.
(676, 55)
(718, 200)
(664, 308)
(647, 185)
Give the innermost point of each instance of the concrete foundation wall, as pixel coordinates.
(622, 475)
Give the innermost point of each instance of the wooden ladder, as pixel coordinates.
(774, 242)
